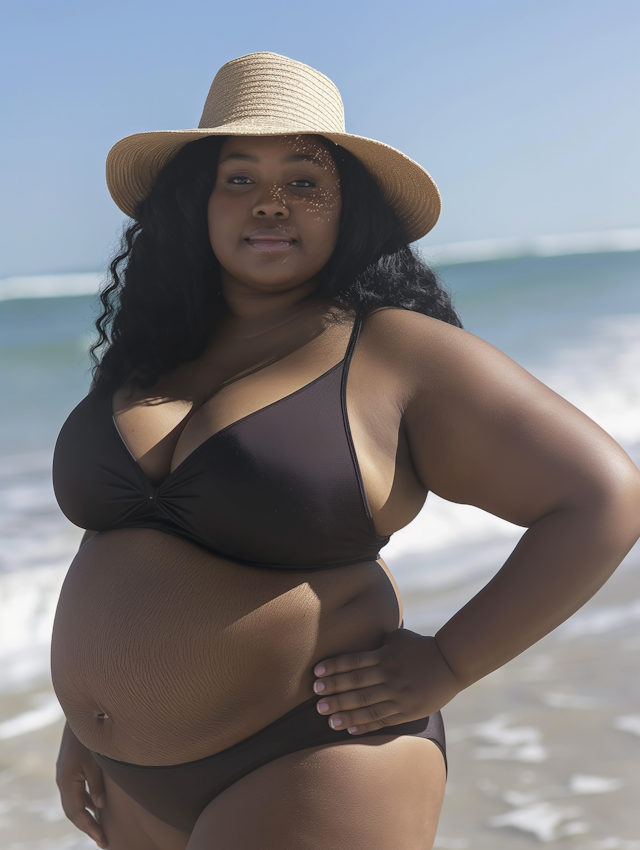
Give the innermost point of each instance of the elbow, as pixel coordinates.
(615, 498)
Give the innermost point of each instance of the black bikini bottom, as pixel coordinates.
(178, 793)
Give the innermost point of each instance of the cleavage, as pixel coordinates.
(162, 431)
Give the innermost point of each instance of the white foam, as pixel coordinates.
(601, 375)
(571, 701)
(529, 753)
(556, 245)
(441, 524)
(628, 723)
(38, 546)
(496, 731)
(581, 783)
(545, 820)
(515, 743)
(49, 285)
(29, 721)
(27, 608)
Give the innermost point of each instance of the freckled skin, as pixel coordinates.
(302, 198)
(431, 408)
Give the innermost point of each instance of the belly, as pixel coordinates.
(163, 653)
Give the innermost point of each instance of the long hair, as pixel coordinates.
(163, 295)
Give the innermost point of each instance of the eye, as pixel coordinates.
(239, 180)
(302, 183)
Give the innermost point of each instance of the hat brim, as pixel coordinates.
(134, 162)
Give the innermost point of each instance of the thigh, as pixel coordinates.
(128, 826)
(375, 795)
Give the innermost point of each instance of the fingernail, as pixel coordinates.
(335, 722)
(319, 687)
(352, 730)
(99, 801)
(320, 670)
(323, 707)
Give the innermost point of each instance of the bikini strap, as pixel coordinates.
(355, 333)
(353, 339)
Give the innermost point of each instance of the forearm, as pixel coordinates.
(560, 563)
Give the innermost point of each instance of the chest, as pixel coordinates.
(312, 441)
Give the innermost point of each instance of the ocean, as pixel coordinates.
(573, 320)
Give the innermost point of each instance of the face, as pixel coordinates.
(274, 212)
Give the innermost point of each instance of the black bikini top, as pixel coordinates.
(280, 487)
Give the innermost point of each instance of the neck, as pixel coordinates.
(257, 310)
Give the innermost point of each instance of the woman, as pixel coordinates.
(281, 383)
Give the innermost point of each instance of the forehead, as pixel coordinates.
(277, 147)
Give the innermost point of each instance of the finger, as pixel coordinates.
(85, 822)
(75, 803)
(74, 793)
(363, 728)
(380, 712)
(354, 700)
(95, 781)
(364, 677)
(344, 663)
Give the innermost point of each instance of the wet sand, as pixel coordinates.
(545, 750)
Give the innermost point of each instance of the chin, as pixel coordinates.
(274, 283)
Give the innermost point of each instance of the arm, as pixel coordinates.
(482, 431)
(506, 443)
(77, 770)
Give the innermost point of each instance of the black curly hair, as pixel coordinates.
(163, 294)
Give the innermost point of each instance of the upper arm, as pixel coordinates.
(483, 431)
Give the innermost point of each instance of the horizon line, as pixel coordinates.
(65, 284)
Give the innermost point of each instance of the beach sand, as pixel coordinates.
(545, 750)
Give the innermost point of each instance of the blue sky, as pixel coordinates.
(525, 113)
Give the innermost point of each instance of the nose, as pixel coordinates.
(271, 205)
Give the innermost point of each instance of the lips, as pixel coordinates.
(270, 241)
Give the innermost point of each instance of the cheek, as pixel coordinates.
(322, 218)
(220, 223)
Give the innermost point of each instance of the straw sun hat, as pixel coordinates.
(264, 94)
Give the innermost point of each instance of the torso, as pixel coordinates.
(186, 652)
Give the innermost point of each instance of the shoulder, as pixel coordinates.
(410, 333)
(426, 351)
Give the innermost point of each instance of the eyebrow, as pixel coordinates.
(296, 157)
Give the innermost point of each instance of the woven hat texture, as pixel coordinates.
(265, 94)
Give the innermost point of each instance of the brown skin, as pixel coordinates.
(445, 412)
(290, 187)
(504, 442)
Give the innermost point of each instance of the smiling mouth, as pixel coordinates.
(270, 242)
